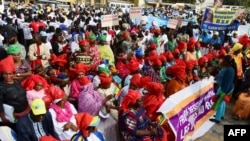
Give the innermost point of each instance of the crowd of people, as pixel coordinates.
(67, 78)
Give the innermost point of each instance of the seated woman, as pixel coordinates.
(22, 67)
(108, 90)
(134, 122)
(11, 92)
(89, 100)
(78, 71)
(62, 113)
(35, 86)
(87, 125)
(241, 109)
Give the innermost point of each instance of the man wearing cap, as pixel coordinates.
(215, 41)
(44, 35)
(36, 124)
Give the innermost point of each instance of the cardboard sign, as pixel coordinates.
(135, 13)
(172, 23)
(109, 20)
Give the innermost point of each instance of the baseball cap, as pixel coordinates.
(38, 107)
(43, 34)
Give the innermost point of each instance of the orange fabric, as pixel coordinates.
(83, 43)
(242, 106)
(238, 61)
(129, 99)
(30, 82)
(173, 86)
(7, 64)
(83, 120)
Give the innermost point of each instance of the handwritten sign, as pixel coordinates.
(109, 20)
(135, 13)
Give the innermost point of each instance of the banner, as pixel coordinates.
(135, 13)
(109, 20)
(157, 20)
(172, 23)
(219, 20)
(188, 110)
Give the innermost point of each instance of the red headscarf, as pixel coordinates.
(190, 64)
(153, 53)
(84, 80)
(154, 98)
(83, 121)
(227, 48)
(105, 79)
(59, 60)
(144, 80)
(83, 43)
(178, 70)
(182, 46)
(30, 82)
(7, 64)
(169, 55)
(202, 60)
(56, 93)
(155, 60)
(136, 80)
(176, 52)
(191, 43)
(163, 58)
(80, 67)
(130, 98)
(222, 53)
(152, 46)
(157, 31)
(197, 44)
(244, 39)
(133, 65)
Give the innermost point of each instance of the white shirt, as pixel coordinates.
(26, 30)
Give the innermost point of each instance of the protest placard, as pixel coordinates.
(135, 13)
(109, 20)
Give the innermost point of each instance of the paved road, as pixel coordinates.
(217, 131)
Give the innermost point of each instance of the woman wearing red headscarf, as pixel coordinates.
(191, 54)
(35, 86)
(134, 122)
(154, 70)
(203, 71)
(178, 81)
(134, 68)
(62, 113)
(110, 93)
(79, 72)
(191, 75)
(11, 92)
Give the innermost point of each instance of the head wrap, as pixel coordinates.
(191, 43)
(169, 55)
(133, 66)
(103, 69)
(182, 46)
(197, 44)
(222, 53)
(190, 64)
(83, 43)
(105, 79)
(60, 60)
(236, 47)
(84, 120)
(152, 46)
(7, 64)
(227, 48)
(244, 40)
(136, 80)
(145, 80)
(163, 58)
(92, 36)
(153, 53)
(176, 52)
(202, 60)
(157, 31)
(154, 98)
(84, 80)
(139, 52)
(80, 67)
(14, 49)
(56, 93)
(178, 70)
(30, 82)
(156, 61)
(131, 98)
(103, 38)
